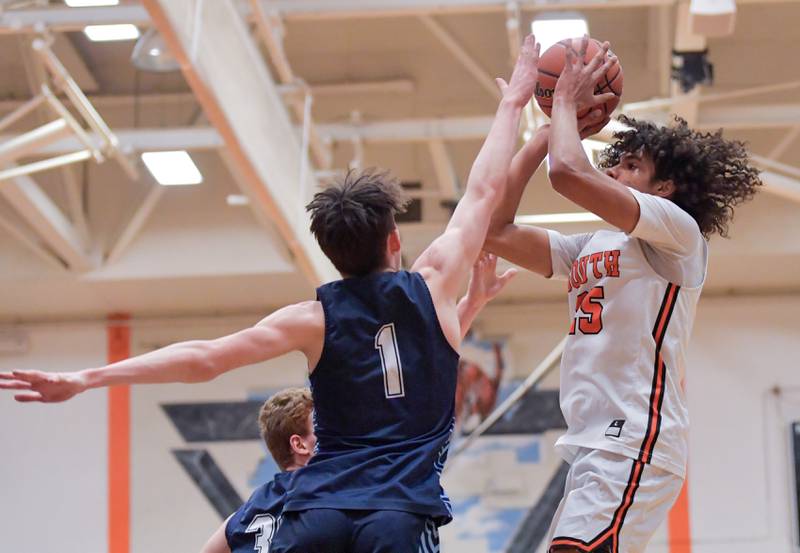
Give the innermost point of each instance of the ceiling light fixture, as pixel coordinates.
(90, 3)
(172, 168)
(151, 53)
(107, 33)
(551, 27)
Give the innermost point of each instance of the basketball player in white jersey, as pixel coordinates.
(632, 297)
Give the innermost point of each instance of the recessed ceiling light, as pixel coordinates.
(237, 199)
(551, 28)
(90, 3)
(172, 168)
(104, 33)
(555, 218)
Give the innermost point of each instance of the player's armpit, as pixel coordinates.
(528, 247)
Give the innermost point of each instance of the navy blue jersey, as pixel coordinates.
(252, 527)
(384, 394)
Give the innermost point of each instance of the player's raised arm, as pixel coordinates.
(571, 173)
(295, 327)
(445, 264)
(528, 246)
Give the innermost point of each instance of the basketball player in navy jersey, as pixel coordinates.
(287, 427)
(382, 350)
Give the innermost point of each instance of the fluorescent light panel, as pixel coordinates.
(105, 33)
(90, 3)
(172, 168)
(550, 29)
(237, 199)
(555, 218)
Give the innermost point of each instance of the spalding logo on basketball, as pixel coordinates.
(552, 62)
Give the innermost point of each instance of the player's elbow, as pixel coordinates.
(562, 174)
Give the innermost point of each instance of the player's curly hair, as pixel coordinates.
(282, 416)
(352, 218)
(711, 175)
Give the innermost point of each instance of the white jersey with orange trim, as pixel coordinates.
(632, 299)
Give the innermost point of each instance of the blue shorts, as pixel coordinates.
(350, 531)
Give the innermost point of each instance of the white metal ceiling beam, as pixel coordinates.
(445, 171)
(38, 82)
(270, 30)
(62, 18)
(768, 116)
(329, 89)
(463, 57)
(222, 65)
(411, 130)
(135, 223)
(145, 139)
(781, 186)
(47, 220)
(72, 60)
(340, 9)
(780, 148)
(15, 228)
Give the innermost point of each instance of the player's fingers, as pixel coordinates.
(508, 275)
(7, 376)
(584, 48)
(30, 376)
(570, 58)
(15, 385)
(27, 398)
(603, 98)
(597, 60)
(501, 84)
(603, 69)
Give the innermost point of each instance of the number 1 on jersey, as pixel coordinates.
(386, 344)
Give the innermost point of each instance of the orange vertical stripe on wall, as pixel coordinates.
(680, 532)
(119, 441)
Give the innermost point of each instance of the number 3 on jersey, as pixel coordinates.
(263, 526)
(386, 344)
(588, 312)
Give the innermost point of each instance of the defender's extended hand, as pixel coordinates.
(520, 87)
(484, 282)
(41, 386)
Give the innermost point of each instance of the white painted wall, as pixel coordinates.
(53, 462)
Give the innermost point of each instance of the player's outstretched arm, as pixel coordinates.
(571, 173)
(527, 246)
(445, 263)
(484, 285)
(295, 327)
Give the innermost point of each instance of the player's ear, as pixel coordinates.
(393, 241)
(664, 188)
(299, 445)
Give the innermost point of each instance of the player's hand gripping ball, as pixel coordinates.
(552, 62)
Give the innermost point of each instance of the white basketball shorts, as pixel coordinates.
(611, 504)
